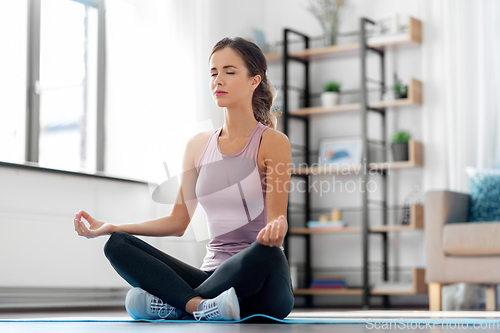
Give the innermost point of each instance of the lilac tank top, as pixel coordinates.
(232, 191)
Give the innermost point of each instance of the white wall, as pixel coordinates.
(39, 245)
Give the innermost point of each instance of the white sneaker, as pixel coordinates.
(223, 307)
(142, 305)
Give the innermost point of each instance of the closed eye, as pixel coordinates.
(226, 73)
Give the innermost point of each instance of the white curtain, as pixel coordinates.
(461, 71)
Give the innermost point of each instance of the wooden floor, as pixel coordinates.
(222, 328)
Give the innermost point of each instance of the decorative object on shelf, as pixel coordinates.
(399, 146)
(328, 14)
(389, 95)
(400, 91)
(330, 95)
(328, 282)
(336, 151)
(327, 224)
(387, 24)
(259, 38)
(336, 215)
(410, 199)
(324, 218)
(406, 214)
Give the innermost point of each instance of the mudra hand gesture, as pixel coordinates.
(273, 233)
(96, 228)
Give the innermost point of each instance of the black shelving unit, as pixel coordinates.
(364, 49)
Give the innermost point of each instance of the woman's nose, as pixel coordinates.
(217, 82)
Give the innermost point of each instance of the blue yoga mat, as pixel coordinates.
(262, 318)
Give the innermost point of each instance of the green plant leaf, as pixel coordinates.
(401, 136)
(331, 86)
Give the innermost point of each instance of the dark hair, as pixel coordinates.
(256, 63)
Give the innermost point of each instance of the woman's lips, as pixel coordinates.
(220, 93)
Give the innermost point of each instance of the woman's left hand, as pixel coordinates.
(273, 233)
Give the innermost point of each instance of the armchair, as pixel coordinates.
(457, 250)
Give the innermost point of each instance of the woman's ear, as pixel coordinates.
(256, 81)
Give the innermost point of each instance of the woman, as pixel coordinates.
(245, 271)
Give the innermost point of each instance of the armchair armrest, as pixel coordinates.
(446, 207)
(441, 207)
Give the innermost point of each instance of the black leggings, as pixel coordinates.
(259, 274)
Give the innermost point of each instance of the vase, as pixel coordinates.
(329, 99)
(330, 38)
(330, 31)
(399, 151)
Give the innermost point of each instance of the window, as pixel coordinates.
(65, 102)
(13, 38)
(67, 85)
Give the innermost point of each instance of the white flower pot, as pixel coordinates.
(329, 98)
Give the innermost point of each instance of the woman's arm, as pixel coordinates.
(185, 205)
(173, 225)
(164, 226)
(278, 160)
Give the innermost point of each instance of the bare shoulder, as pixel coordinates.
(200, 137)
(197, 144)
(275, 142)
(272, 137)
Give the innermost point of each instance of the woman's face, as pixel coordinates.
(230, 76)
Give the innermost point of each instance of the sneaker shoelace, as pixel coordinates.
(163, 309)
(210, 311)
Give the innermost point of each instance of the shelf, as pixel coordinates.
(414, 98)
(416, 223)
(343, 291)
(417, 286)
(412, 37)
(324, 231)
(414, 160)
(272, 57)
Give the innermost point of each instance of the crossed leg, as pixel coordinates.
(259, 274)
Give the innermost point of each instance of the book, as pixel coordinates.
(327, 282)
(329, 278)
(326, 228)
(328, 224)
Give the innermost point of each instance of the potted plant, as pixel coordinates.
(330, 94)
(399, 145)
(400, 91)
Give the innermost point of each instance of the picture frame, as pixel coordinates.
(259, 38)
(339, 150)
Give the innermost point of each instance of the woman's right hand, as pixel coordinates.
(97, 228)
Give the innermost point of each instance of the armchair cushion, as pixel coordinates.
(471, 239)
(484, 200)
